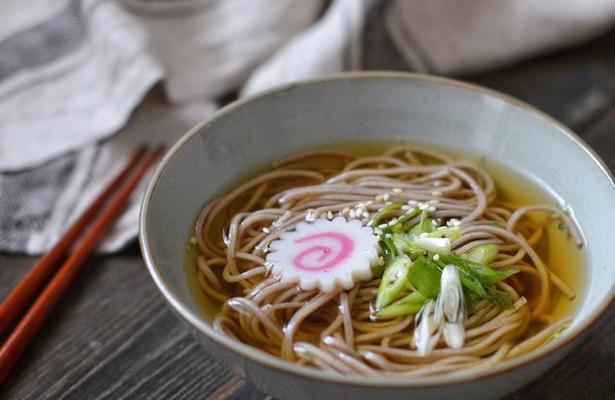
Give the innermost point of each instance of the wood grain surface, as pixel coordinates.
(114, 338)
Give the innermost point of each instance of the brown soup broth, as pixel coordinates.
(555, 248)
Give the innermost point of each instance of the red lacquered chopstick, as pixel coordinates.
(25, 291)
(31, 322)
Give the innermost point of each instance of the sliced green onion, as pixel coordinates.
(425, 225)
(393, 281)
(382, 212)
(499, 298)
(408, 305)
(404, 219)
(403, 244)
(424, 275)
(486, 275)
(477, 279)
(389, 252)
(483, 254)
(468, 279)
(452, 233)
(470, 282)
(471, 300)
(377, 270)
(440, 246)
(389, 247)
(490, 276)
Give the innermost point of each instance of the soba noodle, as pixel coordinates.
(339, 331)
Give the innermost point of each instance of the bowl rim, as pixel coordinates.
(264, 359)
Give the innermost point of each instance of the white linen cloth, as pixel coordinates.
(72, 73)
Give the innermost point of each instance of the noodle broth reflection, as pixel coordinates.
(411, 199)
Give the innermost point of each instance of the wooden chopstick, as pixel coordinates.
(29, 325)
(25, 291)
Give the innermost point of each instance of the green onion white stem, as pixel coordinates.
(450, 307)
(440, 246)
(426, 332)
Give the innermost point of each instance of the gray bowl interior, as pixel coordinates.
(424, 111)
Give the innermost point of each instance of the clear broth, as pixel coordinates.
(556, 248)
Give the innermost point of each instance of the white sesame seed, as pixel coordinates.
(436, 257)
(431, 209)
(412, 203)
(423, 206)
(369, 202)
(381, 260)
(310, 216)
(386, 197)
(365, 214)
(382, 226)
(437, 183)
(352, 214)
(436, 193)
(345, 211)
(378, 197)
(266, 230)
(378, 231)
(329, 215)
(393, 221)
(397, 190)
(388, 236)
(405, 207)
(453, 222)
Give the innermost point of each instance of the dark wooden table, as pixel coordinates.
(113, 337)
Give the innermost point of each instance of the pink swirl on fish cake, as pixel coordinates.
(329, 257)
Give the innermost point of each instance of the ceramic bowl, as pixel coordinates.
(372, 106)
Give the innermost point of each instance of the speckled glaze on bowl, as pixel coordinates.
(362, 106)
